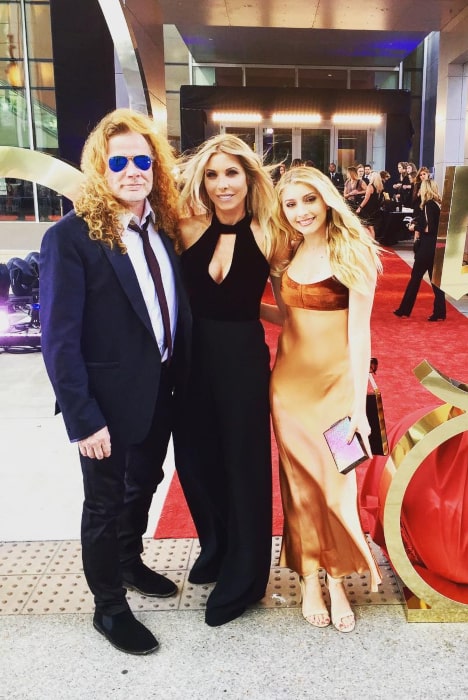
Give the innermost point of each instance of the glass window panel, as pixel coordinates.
(49, 204)
(14, 118)
(277, 145)
(45, 124)
(362, 80)
(369, 80)
(322, 78)
(315, 146)
(386, 80)
(352, 148)
(246, 133)
(41, 75)
(17, 204)
(11, 60)
(203, 75)
(270, 77)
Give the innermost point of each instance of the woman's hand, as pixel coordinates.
(360, 424)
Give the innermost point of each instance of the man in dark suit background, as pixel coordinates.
(117, 353)
(336, 177)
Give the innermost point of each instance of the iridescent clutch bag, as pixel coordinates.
(347, 456)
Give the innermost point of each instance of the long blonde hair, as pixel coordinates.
(97, 205)
(351, 250)
(429, 190)
(260, 190)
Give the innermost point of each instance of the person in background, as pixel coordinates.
(354, 188)
(367, 172)
(223, 443)
(278, 172)
(369, 210)
(325, 297)
(425, 227)
(296, 162)
(336, 177)
(385, 177)
(360, 171)
(408, 190)
(113, 361)
(422, 175)
(402, 184)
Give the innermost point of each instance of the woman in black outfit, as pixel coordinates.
(400, 188)
(425, 227)
(369, 211)
(222, 443)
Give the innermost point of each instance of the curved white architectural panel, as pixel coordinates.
(124, 44)
(41, 168)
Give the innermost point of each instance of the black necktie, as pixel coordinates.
(155, 271)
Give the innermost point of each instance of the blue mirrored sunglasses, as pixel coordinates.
(118, 163)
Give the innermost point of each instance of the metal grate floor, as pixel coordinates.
(42, 578)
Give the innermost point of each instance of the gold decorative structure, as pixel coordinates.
(450, 271)
(41, 168)
(414, 446)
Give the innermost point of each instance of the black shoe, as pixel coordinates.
(215, 617)
(125, 633)
(400, 314)
(204, 571)
(144, 580)
(436, 318)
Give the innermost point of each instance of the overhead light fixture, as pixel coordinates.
(357, 118)
(237, 117)
(296, 118)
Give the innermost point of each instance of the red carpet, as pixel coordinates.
(399, 344)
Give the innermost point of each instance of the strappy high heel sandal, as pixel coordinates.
(315, 614)
(341, 614)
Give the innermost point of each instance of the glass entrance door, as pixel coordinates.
(322, 145)
(315, 147)
(277, 145)
(352, 148)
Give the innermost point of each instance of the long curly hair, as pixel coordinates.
(97, 205)
(260, 190)
(349, 244)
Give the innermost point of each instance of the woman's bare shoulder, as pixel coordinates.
(191, 228)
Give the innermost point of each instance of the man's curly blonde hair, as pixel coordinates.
(97, 205)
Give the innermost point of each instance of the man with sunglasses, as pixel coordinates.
(115, 329)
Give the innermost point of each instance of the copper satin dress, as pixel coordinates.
(311, 388)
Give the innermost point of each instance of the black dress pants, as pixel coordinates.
(223, 456)
(423, 262)
(118, 491)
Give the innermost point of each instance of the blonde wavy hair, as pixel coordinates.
(97, 205)
(351, 249)
(429, 190)
(194, 198)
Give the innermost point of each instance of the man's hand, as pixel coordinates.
(96, 446)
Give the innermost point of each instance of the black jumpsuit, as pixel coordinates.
(222, 441)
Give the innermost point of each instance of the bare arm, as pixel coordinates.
(360, 307)
(270, 312)
(369, 190)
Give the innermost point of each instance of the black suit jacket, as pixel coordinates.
(97, 340)
(337, 180)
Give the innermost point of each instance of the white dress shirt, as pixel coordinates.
(134, 244)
